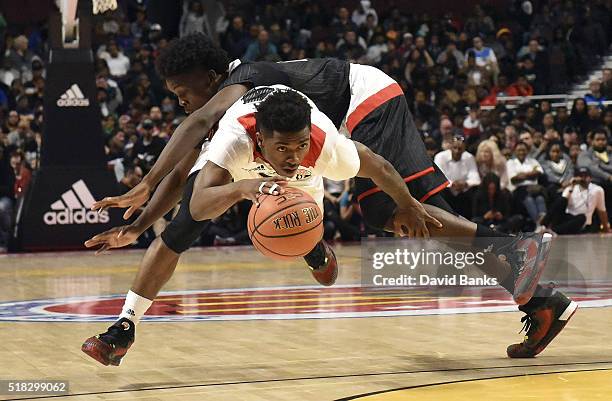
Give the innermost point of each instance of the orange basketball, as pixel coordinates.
(285, 226)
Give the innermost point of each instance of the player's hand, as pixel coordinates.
(116, 237)
(133, 200)
(252, 189)
(411, 221)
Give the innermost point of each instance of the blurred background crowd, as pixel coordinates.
(514, 163)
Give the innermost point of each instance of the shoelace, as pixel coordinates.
(529, 323)
(113, 334)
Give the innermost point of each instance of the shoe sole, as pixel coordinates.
(543, 251)
(101, 352)
(554, 331)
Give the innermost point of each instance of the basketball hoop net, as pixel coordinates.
(101, 6)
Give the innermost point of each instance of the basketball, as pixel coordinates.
(285, 226)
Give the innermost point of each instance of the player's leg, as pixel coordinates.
(156, 268)
(388, 128)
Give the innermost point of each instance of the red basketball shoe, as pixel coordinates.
(110, 347)
(542, 324)
(323, 264)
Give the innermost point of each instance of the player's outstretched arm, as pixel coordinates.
(166, 196)
(214, 193)
(184, 139)
(410, 217)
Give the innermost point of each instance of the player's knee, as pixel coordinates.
(179, 238)
(376, 219)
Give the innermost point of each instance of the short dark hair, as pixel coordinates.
(189, 53)
(600, 130)
(283, 111)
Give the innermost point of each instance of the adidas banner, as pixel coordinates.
(73, 133)
(56, 212)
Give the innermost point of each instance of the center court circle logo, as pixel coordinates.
(279, 303)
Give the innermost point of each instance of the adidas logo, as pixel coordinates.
(73, 208)
(73, 97)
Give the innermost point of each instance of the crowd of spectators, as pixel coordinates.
(511, 166)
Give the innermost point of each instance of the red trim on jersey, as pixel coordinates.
(317, 139)
(371, 103)
(434, 191)
(412, 177)
(249, 123)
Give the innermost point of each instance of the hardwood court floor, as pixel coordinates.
(271, 344)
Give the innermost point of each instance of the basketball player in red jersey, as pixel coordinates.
(363, 103)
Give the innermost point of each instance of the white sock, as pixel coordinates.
(135, 307)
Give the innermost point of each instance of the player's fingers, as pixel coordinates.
(411, 232)
(434, 221)
(425, 231)
(128, 213)
(253, 198)
(103, 248)
(99, 237)
(273, 188)
(109, 201)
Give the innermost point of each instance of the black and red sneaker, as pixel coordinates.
(323, 264)
(110, 347)
(542, 324)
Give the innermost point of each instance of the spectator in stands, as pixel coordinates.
(490, 160)
(342, 23)
(491, 205)
(20, 58)
(15, 181)
(574, 152)
(522, 87)
(194, 19)
(595, 95)
(485, 56)
(460, 168)
(236, 39)
(523, 173)
(570, 137)
(11, 123)
(349, 47)
(562, 120)
(261, 49)
(376, 50)
(451, 59)
(362, 12)
(579, 116)
(527, 138)
(444, 134)
(558, 168)
(477, 75)
(472, 127)
(598, 159)
(140, 27)
(118, 63)
(417, 67)
(148, 147)
(573, 211)
(593, 121)
(537, 55)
